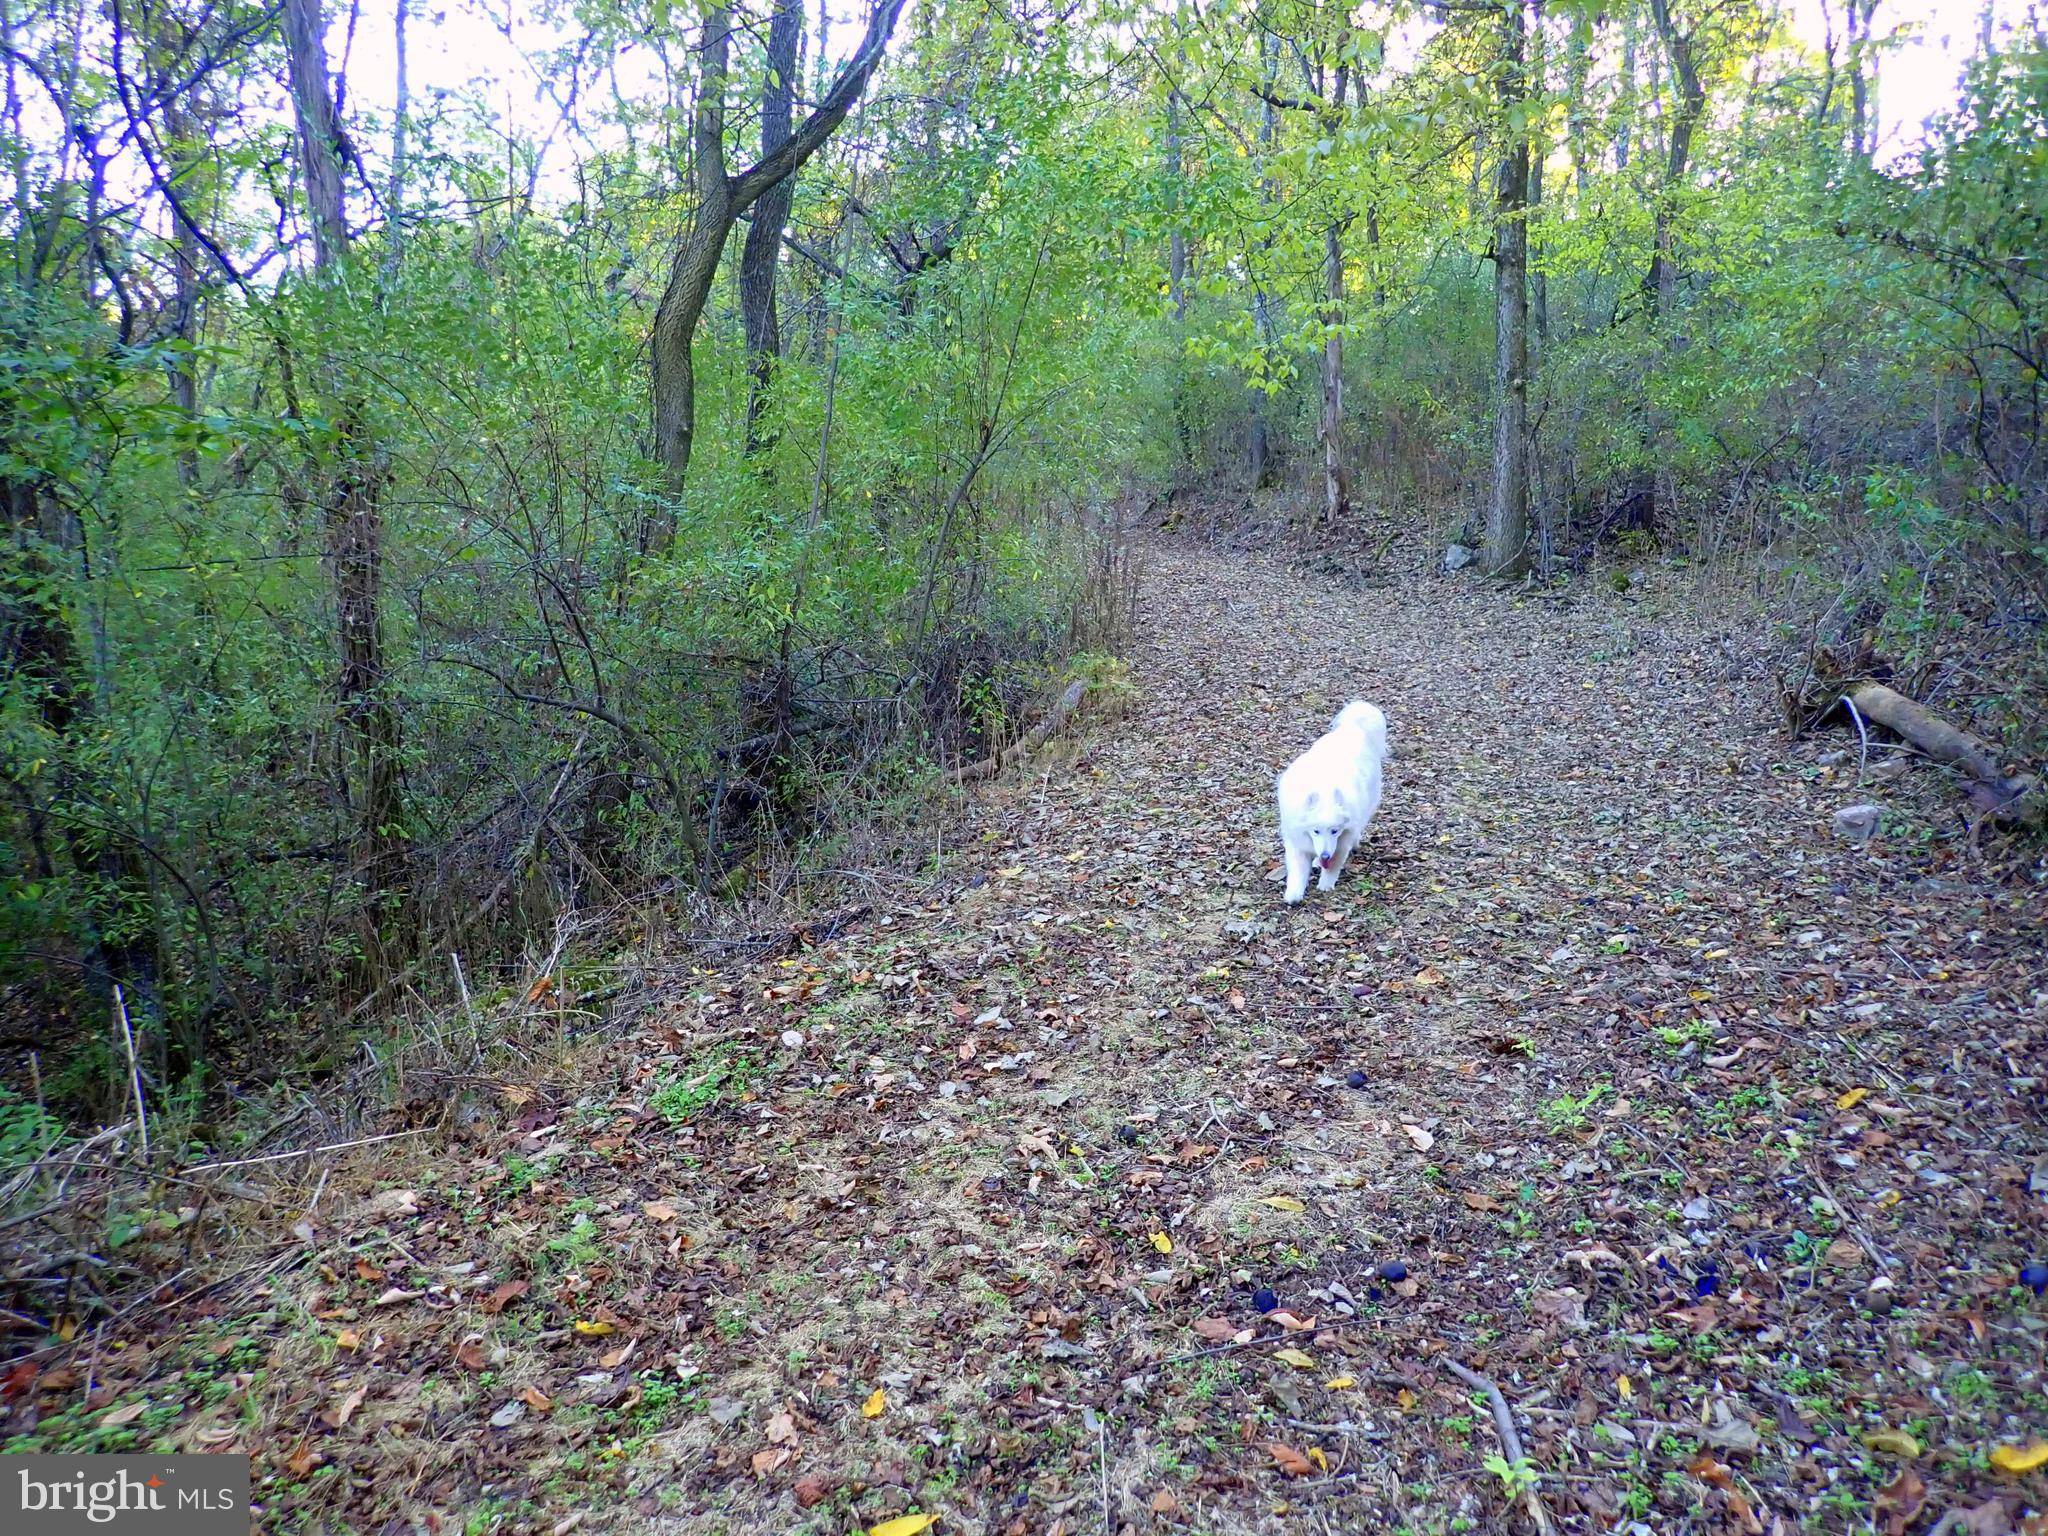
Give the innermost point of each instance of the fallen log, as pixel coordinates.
(1031, 741)
(2018, 797)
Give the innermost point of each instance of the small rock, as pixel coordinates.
(508, 1415)
(1457, 557)
(1857, 824)
(1354, 1079)
(793, 1039)
(1264, 1300)
(1127, 1134)
(2035, 1277)
(1698, 1209)
(1393, 1271)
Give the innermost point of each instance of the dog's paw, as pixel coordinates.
(1293, 898)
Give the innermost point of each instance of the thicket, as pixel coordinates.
(359, 607)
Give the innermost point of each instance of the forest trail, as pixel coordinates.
(1656, 1076)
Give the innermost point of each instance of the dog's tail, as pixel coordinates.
(1361, 716)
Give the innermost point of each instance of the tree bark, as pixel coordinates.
(320, 146)
(1262, 301)
(721, 198)
(1663, 279)
(1336, 480)
(352, 515)
(394, 195)
(1506, 544)
(762, 252)
(2017, 798)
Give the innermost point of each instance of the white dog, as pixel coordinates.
(1328, 796)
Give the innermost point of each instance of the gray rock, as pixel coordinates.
(1457, 557)
(1858, 824)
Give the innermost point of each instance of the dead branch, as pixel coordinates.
(1039, 734)
(2015, 798)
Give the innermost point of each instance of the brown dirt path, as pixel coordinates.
(1705, 1136)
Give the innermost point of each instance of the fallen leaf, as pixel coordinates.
(781, 1428)
(594, 1330)
(659, 1210)
(1164, 1503)
(1893, 1442)
(348, 1338)
(1405, 1398)
(1340, 1383)
(872, 1408)
(1315, 1454)
(503, 1297)
(1215, 1329)
(1479, 1202)
(508, 1415)
(344, 1409)
(1284, 1203)
(395, 1295)
(1162, 1242)
(811, 1490)
(1290, 1323)
(1422, 1139)
(469, 1354)
(904, 1525)
(1852, 1098)
(1294, 1357)
(1902, 1498)
(1627, 1389)
(124, 1415)
(303, 1459)
(1290, 1461)
(774, 1459)
(542, 986)
(2019, 1460)
(394, 1202)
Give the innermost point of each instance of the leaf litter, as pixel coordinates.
(1606, 1072)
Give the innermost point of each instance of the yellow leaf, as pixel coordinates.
(1284, 1203)
(1627, 1387)
(1340, 1383)
(1162, 1242)
(586, 1330)
(904, 1525)
(2019, 1460)
(1852, 1098)
(1894, 1441)
(1294, 1357)
(1405, 1398)
(872, 1408)
(1315, 1454)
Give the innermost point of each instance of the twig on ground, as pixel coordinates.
(1510, 1437)
(278, 1157)
(134, 1069)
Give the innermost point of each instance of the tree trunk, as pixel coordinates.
(1663, 279)
(1539, 148)
(352, 524)
(763, 249)
(721, 198)
(1625, 123)
(1262, 301)
(1177, 281)
(1506, 551)
(1336, 481)
(1578, 129)
(394, 196)
(320, 146)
